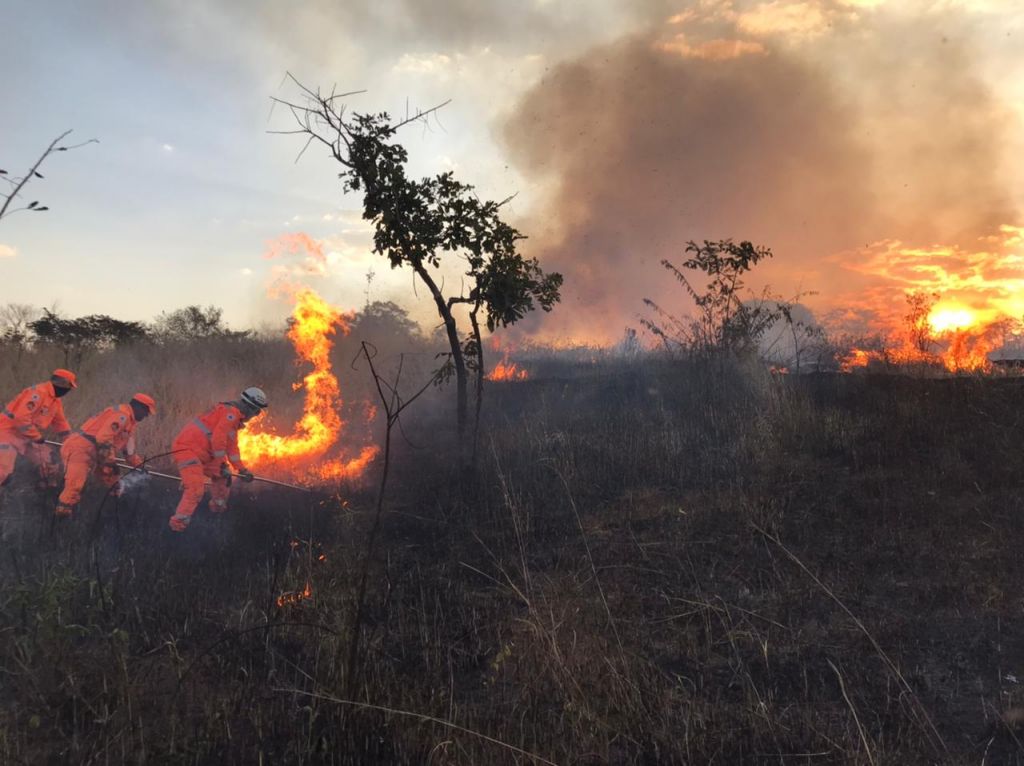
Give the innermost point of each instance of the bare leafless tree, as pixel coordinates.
(17, 184)
(920, 304)
(15, 332)
(14, 318)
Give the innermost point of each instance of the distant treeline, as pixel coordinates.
(23, 327)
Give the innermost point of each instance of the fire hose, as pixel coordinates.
(172, 477)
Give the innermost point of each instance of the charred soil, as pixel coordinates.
(653, 562)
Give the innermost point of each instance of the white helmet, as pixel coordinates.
(255, 398)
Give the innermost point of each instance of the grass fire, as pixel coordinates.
(506, 369)
(313, 323)
(636, 384)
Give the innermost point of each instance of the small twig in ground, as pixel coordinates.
(420, 717)
(853, 710)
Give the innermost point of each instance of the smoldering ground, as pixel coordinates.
(618, 578)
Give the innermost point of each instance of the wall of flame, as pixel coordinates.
(312, 450)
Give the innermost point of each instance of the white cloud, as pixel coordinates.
(167, 147)
(434, 63)
(7, 251)
(448, 163)
(247, 272)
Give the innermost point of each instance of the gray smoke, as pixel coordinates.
(872, 134)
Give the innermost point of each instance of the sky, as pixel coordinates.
(873, 144)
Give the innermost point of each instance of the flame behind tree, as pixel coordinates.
(963, 301)
(967, 339)
(314, 323)
(947, 335)
(507, 370)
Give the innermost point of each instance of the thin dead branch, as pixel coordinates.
(19, 183)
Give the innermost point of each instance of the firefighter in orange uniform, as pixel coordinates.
(95, 448)
(208, 447)
(25, 419)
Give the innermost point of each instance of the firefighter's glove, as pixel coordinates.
(225, 470)
(245, 475)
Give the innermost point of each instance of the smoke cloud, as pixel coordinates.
(816, 136)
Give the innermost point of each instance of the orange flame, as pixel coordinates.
(964, 333)
(290, 598)
(965, 351)
(506, 370)
(314, 324)
(979, 287)
(857, 358)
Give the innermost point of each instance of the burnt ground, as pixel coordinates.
(653, 563)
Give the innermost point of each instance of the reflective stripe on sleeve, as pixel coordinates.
(202, 426)
(219, 453)
(187, 463)
(235, 458)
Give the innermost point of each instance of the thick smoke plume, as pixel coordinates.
(872, 131)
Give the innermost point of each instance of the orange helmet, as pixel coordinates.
(66, 376)
(146, 401)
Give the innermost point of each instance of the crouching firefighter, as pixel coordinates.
(96, 447)
(24, 421)
(208, 447)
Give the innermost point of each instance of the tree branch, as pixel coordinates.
(34, 171)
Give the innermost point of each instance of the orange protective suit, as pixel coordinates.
(94, 449)
(203, 448)
(22, 424)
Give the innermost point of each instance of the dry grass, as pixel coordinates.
(655, 563)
